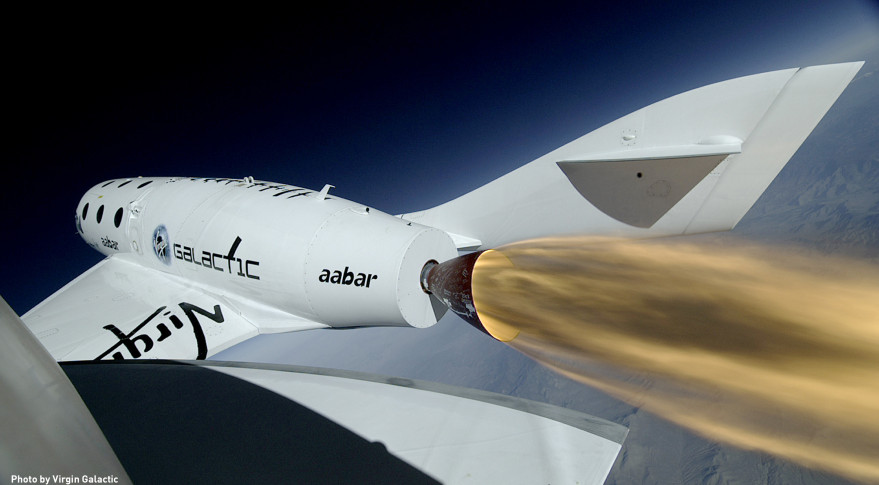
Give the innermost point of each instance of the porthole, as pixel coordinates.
(85, 210)
(123, 184)
(108, 183)
(100, 214)
(144, 184)
(117, 219)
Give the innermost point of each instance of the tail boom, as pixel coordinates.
(692, 163)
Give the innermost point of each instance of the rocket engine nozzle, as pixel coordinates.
(451, 282)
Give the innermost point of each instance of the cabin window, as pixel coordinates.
(117, 219)
(144, 184)
(85, 210)
(100, 214)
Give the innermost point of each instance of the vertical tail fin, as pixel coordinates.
(695, 162)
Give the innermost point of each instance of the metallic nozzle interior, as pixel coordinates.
(450, 282)
(425, 272)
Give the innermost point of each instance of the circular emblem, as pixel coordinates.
(161, 243)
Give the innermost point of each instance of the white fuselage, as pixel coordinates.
(285, 247)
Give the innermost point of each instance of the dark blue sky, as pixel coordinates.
(400, 110)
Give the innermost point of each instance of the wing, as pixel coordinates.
(156, 420)
(119, 309)
(285, 423)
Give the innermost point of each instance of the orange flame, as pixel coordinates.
(756, 347)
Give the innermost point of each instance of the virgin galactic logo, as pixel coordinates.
(145, 334)
(161, 245)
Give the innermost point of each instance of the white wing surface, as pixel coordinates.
(162, 421)
(122, 310)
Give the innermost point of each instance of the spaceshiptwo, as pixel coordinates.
(196, 265)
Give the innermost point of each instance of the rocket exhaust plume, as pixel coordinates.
(752, 346)
(452, 283)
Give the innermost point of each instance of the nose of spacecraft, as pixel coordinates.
(452, 282)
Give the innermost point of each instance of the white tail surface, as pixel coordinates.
(692, 163)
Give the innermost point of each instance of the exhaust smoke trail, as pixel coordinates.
(751, 346)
